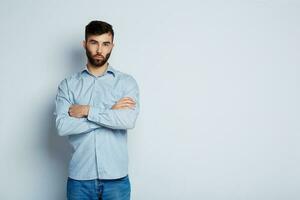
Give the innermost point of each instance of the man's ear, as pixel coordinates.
(84, 44)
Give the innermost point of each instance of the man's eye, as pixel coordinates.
(106, 44)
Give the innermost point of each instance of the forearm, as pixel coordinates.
(114, 119)
(121, 115)
(67, 125)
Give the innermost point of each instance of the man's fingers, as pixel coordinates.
(123, 106)
(126, 102)
(130, 101)
(126, 98)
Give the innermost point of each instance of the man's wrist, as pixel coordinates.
(87, 109)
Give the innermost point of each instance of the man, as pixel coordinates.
(94, 108)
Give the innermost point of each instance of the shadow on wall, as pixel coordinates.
(77, 59)
(58, 148)
(58, 151)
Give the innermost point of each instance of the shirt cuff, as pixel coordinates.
(94, 114)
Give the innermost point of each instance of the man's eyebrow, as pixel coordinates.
(107, 42)
(91, 40)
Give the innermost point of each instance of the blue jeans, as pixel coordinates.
(98, 189)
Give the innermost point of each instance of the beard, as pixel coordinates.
(98, 62)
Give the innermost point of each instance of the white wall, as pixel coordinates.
(219, 85)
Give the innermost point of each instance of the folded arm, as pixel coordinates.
(123, 114)
(66, 124)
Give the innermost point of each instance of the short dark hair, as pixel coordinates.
(98, 28)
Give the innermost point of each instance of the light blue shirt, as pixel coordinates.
(99, 141)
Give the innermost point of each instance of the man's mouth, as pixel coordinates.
(98, 57)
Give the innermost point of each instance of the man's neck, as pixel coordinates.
(97, 71)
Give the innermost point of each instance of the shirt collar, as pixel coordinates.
(109, 69)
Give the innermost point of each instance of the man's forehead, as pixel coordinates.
(101, 38)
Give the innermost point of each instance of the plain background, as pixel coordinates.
(219, 83)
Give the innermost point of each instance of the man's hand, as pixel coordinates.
(124, 103)
(79, 111)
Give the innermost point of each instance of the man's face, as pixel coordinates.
(98, 48)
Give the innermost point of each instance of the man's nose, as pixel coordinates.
(99, 49)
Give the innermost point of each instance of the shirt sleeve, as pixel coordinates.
(118, 118)
(65, 124)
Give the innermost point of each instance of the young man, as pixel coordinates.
(94, 108)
